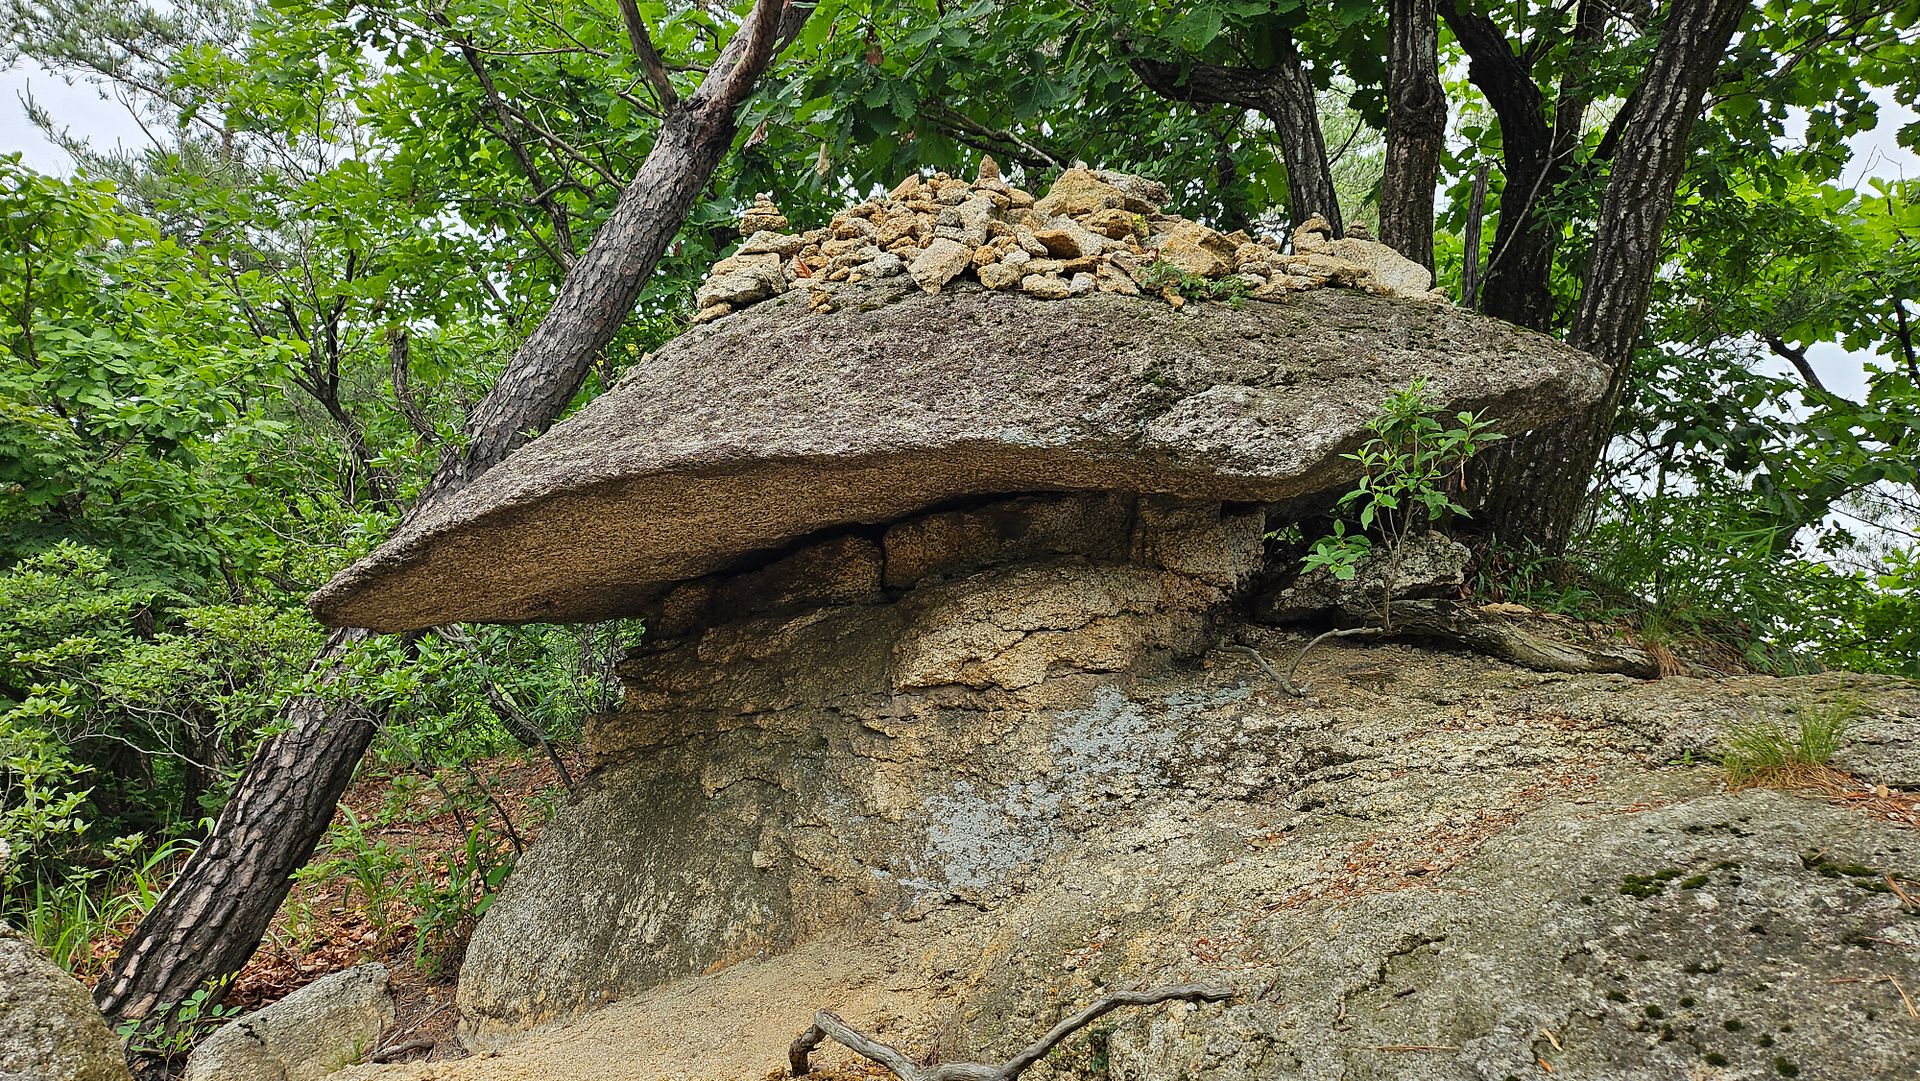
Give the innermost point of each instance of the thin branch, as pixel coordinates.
(1287, 685)
(965, 129)
(400, 355)
(1797, 357)
(829, 1025)
(565, 148)
(648, 56)
(1150, 997)
(510, 131)
(762, 28)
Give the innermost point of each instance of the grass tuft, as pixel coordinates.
(1770, 752)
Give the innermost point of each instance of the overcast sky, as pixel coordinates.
(85, 111)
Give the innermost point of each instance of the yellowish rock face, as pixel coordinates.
(1094, 230)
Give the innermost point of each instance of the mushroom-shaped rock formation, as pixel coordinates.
(751, 432)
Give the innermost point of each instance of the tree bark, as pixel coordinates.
(1416, 127)
(214, 914)
(1470, 257)
(1284, 95)
(1517, 283)
(1536, 493)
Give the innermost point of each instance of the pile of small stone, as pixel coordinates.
(1094, 231)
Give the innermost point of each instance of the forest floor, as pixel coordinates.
(393, 884)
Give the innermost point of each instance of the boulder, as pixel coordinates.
(939, 263)
(757, 430)
(1003, 732)
(743, 286)
(329, 1024)
(49, 1028)
(1081, 191)
(1198, 250)
(1388, 272)
(678, 856)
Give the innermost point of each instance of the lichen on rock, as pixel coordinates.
(49, 1027)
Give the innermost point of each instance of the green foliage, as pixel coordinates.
(1767, 748)
(67, 919)
(441, 896)
(451, 895)
(1747, 500)
(1408, 467)
(367, 864)
(173, 1034)
(124, 411)
(1164, 277)
(1339, 553)
(87, 673)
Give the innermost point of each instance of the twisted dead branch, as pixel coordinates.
(828, 1025)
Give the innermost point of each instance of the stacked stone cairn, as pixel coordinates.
(1093, 232)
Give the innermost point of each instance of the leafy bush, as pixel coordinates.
(123, 707)
(1408, 466)
(450, 895)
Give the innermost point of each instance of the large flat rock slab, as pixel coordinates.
(775, 423)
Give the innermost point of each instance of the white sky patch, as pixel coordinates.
(80, 107)
(1876, 155)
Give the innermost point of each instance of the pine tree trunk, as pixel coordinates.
(1536, 492)
(214, 914)
(1416, 126)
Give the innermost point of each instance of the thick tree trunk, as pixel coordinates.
(216, 911)
(1537, 495)
(1284, 95)
(1416, 127)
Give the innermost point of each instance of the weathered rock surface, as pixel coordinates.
(748, 434)
(315, 1032)
(992, 753)
(49, 1028)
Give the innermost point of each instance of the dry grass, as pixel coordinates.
(1769, 753)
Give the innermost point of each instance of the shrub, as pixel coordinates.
(1409, 464)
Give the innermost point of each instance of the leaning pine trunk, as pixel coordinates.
(214, 914)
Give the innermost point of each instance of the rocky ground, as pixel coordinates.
(1435, 866)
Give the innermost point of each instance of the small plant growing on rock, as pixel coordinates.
(1408, 465)
(1169, 280)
